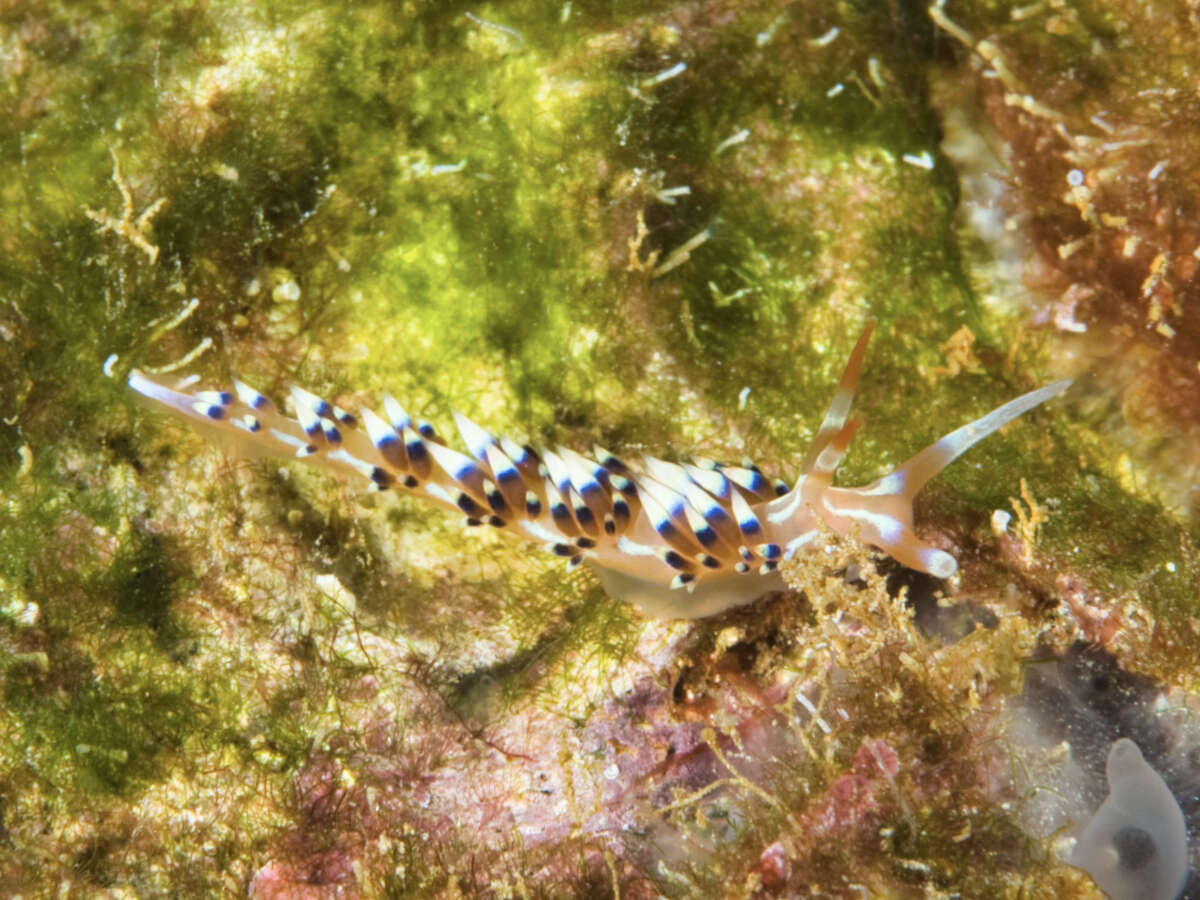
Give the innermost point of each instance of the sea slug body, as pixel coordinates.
(676, 540)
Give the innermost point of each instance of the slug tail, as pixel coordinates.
(244, 421)
(249, 423)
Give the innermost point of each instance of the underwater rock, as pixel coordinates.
(1086, 699)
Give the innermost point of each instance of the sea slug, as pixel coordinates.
(676, 540)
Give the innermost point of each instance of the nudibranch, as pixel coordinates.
(683, 541)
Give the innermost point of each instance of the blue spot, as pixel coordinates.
(209, 410)
(750, 526)
(666, 530)
(468, 471)
(716, 516)
(624, 485)
(562, 515)
(467, 505)
(584, 516)
(589, 488)
(674, 560)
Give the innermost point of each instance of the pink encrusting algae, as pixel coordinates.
(676, 540)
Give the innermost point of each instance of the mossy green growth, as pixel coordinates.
(480, 212)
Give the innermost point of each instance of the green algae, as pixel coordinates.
(369, 198)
